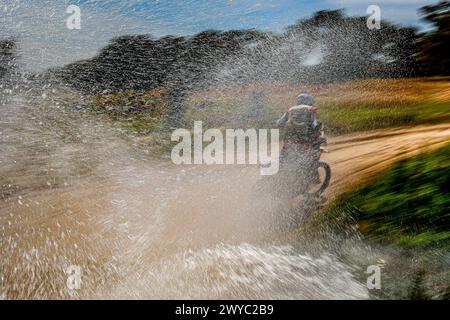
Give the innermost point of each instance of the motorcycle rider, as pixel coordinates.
(303, 137)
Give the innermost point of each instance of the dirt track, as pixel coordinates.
(358, 157)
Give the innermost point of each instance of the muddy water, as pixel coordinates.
(75, 191)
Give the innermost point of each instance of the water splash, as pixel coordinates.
(246, 272)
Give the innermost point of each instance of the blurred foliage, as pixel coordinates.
(409, 206)
(140, 113)
(434, 46)
(370, 117)
(153, 102)
(8, 56)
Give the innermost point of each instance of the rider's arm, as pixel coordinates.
(283, 120)
(318, 137)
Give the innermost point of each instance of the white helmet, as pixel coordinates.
(305, 99)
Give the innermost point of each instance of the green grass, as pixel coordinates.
(409, 206)
(347, 107)
(139, 124)
(339, 119)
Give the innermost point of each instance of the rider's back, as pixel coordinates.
(300, 124)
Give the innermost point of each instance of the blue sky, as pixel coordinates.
(46, 42)
(190, 16)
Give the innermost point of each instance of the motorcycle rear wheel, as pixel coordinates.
(325, 181)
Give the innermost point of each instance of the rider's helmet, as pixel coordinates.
(305, 98)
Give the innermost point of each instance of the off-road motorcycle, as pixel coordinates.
(297, 190)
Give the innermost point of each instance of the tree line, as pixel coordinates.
(8, 58)
(327, 47)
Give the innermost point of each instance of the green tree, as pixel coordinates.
(8, 57)
(354, 51)
(435, 45)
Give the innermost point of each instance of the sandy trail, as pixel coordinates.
(359, 157)
(143, 214)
